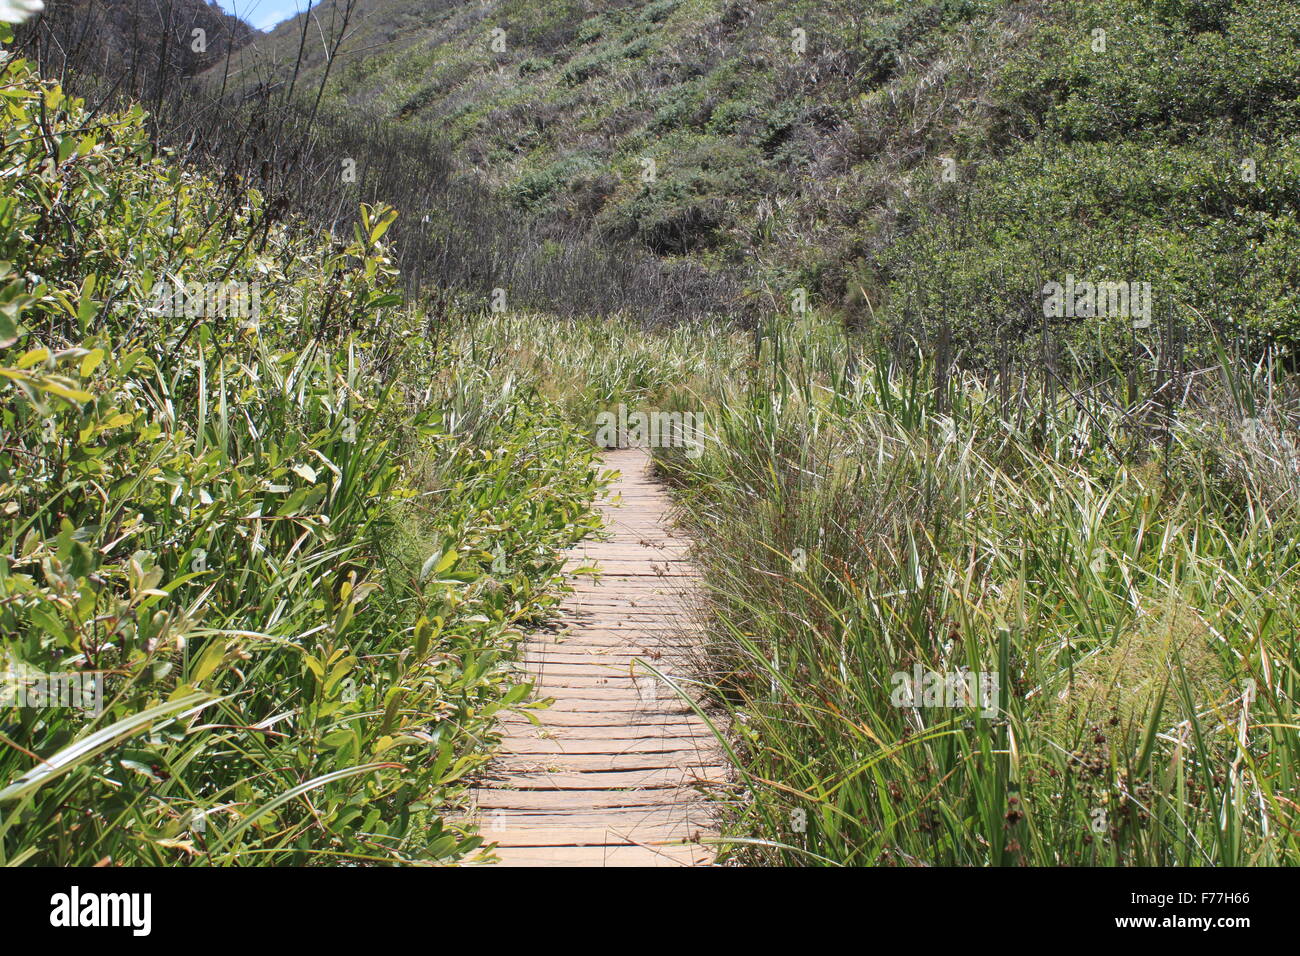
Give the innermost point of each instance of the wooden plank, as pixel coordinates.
(620, 640)
(629, 708)
(601, 834)
(602, 718)
(577, 676)
(519, 746)
(655, 779)
(627, 855)
(491, 824)
(488, 799)
(621, 630)
(615, 735)
(590, 659)
(637, 694)
(548, 764)
(604, 664)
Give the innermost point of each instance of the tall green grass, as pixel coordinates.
(1139, 609)
(1130, 579)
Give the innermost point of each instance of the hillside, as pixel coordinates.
(142, 48)
(913, 152)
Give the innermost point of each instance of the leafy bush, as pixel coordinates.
(538, 187)
(297, 574)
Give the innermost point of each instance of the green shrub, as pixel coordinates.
(536, 188)
(293, 549)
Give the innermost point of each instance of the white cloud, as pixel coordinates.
(16, 11)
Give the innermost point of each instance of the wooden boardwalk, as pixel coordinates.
(609, 778)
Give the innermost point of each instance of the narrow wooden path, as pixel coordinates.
(614, 774)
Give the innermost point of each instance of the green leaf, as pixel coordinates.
(8, 327)
(88, 366)
(33, 357)
(86, 310)
(437, 563)
(77, 754)
(296, 792)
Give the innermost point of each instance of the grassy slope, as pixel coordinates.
(823, 169)
(583, 92)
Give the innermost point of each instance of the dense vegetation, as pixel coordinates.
(143, 48)
(1132, 588)
(1162, 151)
(301, 545)
(295, 547)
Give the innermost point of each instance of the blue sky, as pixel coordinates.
(264, 14)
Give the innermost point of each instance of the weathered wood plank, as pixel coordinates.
(627, 855)
(661, 729)
(519, 745)
(602, 718)
(488, 799)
